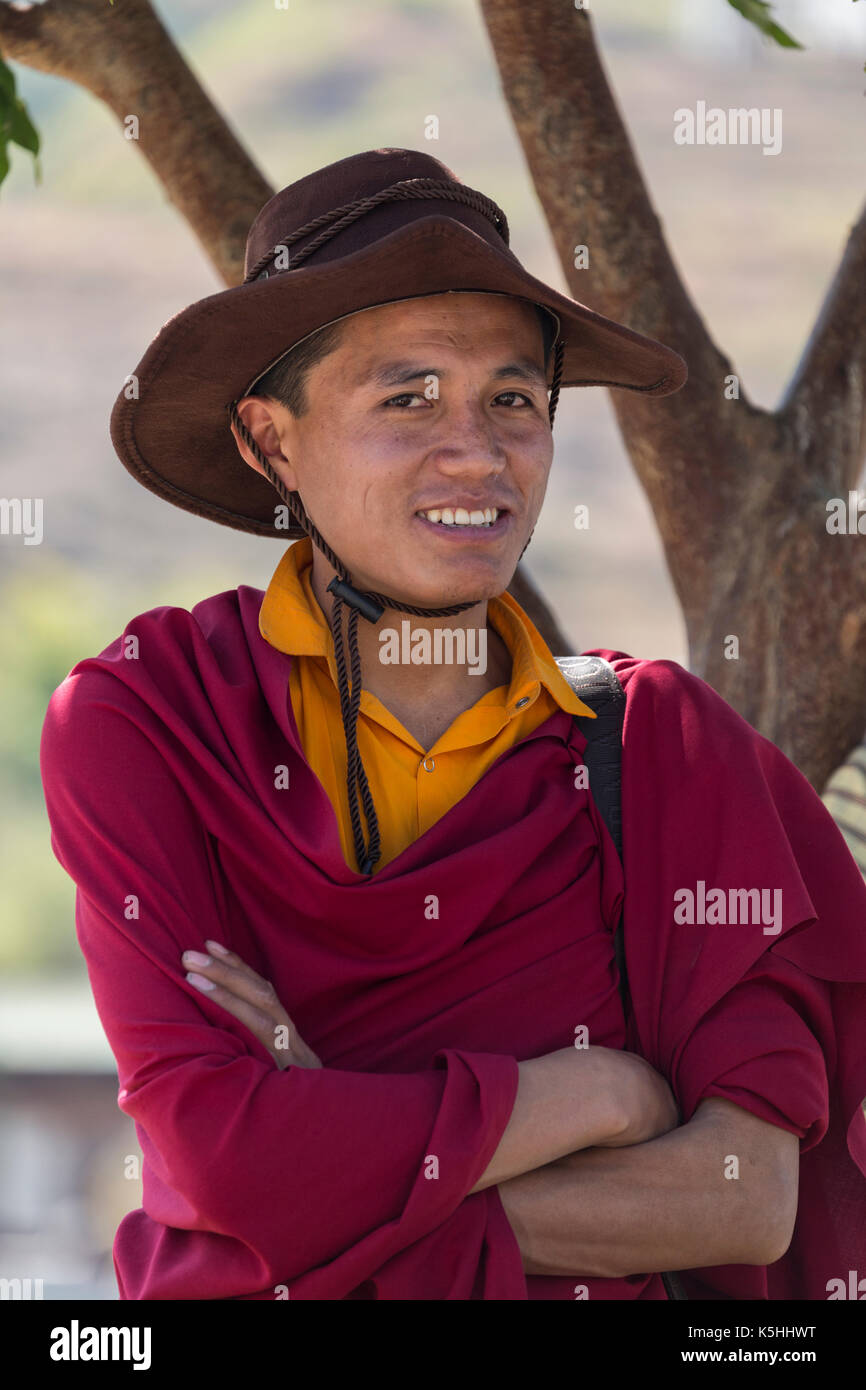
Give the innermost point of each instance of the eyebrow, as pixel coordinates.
(398, 373)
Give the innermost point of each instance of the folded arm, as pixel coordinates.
(258, 1179)
(253, 1177)
(669, 1204)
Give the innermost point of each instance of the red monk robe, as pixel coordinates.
(159, 775)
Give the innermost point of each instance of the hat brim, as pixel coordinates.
(170, 423)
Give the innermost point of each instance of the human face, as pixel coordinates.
(427, 403)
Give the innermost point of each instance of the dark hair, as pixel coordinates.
(286, 380)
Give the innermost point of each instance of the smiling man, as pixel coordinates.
(348, 921)
(398, 399)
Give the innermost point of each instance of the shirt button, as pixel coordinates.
(428, 764)
(521, 703)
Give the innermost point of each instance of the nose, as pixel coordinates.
(471, 441)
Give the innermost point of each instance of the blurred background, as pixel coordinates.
(94, 259)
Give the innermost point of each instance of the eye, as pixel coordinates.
(414, 395)
(406, 396)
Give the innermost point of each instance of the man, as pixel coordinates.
(349, 924)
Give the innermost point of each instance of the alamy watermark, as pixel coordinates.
(738, 907)
(22, 516)
(444, 646)
(19, 1288)
(854, 1287)
(847, 520)
(77, 1343)
(737, 126)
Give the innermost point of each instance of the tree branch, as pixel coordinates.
(685, 449)
(738, 493)
(123, 55)
(825, 403)
(22, 30)
(590, 186)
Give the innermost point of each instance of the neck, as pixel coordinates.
(425, 670)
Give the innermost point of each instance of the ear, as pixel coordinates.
(261, 418)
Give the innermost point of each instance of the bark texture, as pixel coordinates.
(739, 493)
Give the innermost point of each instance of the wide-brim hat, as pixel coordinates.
(170, 424)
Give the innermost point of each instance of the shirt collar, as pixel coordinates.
(291, 620)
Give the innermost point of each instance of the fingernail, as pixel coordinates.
(200, 982)
(220, 950)
(196, 958)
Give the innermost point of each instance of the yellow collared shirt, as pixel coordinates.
(412, 787)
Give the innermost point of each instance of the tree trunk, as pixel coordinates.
(739, 493)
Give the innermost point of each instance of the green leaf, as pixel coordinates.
(758, 13)
(22, 129)
(16, 126)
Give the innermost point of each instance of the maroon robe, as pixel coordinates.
(487, 941)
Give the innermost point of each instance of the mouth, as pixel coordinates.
(454, 523)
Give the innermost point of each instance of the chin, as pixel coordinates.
(466, 579)
(450, 594)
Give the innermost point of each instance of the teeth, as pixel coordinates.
(448, 516)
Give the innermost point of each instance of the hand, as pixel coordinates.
(646, 1099)
(237, 988)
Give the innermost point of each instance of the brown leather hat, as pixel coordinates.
(376, 227)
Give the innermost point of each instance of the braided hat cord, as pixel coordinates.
(370, 604)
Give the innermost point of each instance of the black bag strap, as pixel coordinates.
(596, 683)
